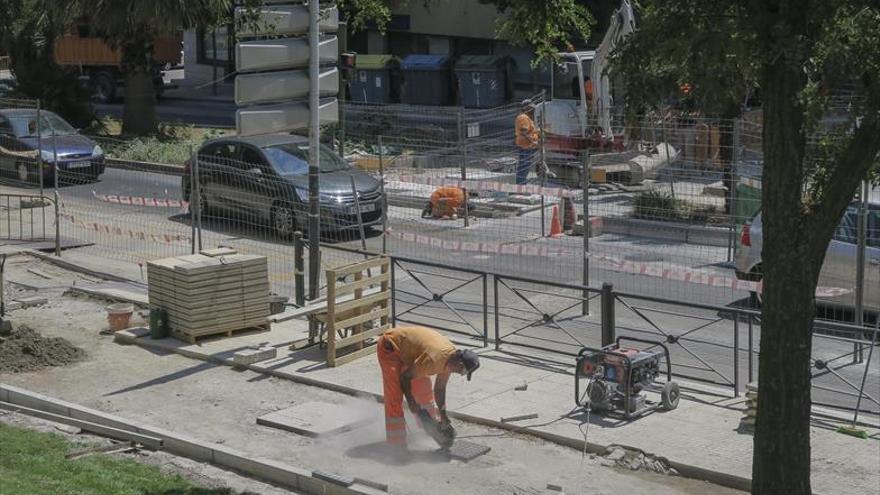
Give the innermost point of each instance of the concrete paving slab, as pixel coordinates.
(312, 419)
(465, 451)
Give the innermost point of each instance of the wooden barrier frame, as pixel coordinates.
(353, 314)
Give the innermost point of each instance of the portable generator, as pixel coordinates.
(618, 376)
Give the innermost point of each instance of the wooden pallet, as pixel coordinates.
(194, 339)
(349, 318)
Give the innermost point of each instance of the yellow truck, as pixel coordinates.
(98, 63)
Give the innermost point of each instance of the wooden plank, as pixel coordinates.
(195, 337)
(341, 271)
(372, 315)
(360, 337)
(231, 323)
(358, 303)
(331, 312)
(340, 360)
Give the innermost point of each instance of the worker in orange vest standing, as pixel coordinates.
(409, 356)
(527, 140)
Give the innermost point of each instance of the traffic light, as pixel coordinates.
(271, 61)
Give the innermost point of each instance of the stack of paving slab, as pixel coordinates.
(215, 292)
(748, 421)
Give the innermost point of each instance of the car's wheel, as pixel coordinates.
(283, 220)
(22, 171)
(670, 395)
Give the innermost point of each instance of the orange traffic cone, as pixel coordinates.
(555, 224)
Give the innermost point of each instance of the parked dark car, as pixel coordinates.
(265, 179)
(78, 156)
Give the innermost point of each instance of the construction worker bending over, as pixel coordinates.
(445, 203)
(527, 140)
(409, 356)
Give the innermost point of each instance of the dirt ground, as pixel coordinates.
(221, 405)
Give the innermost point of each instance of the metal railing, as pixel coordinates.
(23, 217)
(708, 343)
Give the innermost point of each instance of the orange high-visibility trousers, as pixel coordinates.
(422, 390)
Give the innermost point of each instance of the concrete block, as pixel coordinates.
(251, 356)
(374, 485)
(221, 251)
(317, 486)
(334, 478)
(4, 395)
(102, 418)
(313, 419)
(26, 398)
(188, 448)
(465, 451)
(709, 236)
(258, 468)
(27, 302)
(128, 335)
(369, 489)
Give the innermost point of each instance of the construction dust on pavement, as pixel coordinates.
(217, 404)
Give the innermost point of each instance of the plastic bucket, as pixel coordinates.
(119, 316)
(277, 304)
(158, 323)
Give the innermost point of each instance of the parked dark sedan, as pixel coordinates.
(265, 178)
(21, 138)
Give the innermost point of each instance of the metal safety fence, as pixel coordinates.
(713, 345)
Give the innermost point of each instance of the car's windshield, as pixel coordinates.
(292, 159)
(50, 124)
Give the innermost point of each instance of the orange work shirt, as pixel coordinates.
(526, 133)
(422, 348)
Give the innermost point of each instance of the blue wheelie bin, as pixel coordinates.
(426, 80)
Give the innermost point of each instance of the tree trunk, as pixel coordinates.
(139, 112)
(781, 462)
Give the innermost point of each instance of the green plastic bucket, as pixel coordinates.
(158, 323)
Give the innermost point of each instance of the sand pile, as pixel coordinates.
(26, 350)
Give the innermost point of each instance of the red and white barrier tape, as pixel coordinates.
(480, 247)
(141, 201)
(486, 185)
(649, 269)
(124, 232)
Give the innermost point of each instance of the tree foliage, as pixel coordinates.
(133, 26)
(28, 37)
(548, 26)
(689, 42)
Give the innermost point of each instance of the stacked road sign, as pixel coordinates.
(272, 85)
(751, 413)
(210, 293)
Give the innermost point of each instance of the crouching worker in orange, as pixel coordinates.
(409, 356)
(445, 203)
